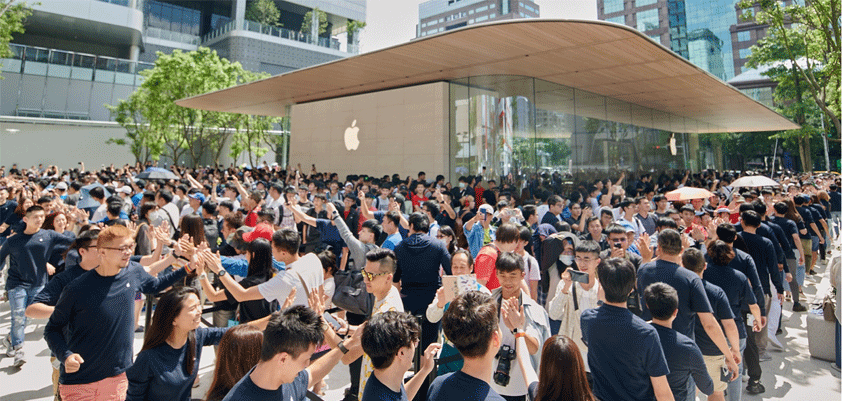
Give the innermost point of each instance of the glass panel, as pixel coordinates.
(612, 6)
(641, 3)
(620, 19)
(744, 36)
(554, 126)
(647, 20)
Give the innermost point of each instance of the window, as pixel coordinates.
(483, 18)
(656, 38)
(641, 3)
(620, 19)
(647, 20)
(743, 36)
(612, 6)
(744, 53)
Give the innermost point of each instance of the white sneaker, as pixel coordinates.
(10, 352)
(20, 359)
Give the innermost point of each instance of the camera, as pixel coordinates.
(505, 356)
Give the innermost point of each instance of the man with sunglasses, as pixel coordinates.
(91, 329)
(377, 275)
(618, 243)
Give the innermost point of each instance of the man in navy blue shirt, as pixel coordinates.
(92, 326)
(289, 341)
(621, 372)
(692, 299)
(28, 253)
(683, 356)
(835, 207)
(390, 339)
(471, 325)
(796, 263)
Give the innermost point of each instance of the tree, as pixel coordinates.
(807, 34)
(145, 142)
(252, 130)
(11, 21)
(264, 12)
(307, 23)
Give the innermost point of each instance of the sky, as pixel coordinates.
(392, 22)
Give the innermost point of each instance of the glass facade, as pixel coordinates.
(612, 6)
(648, 20)
(173, 18)
(712, 19)
(504, 124)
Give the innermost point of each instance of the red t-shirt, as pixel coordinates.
(485, 266)
(417, 200)
(251, 217)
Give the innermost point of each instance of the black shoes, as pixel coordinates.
(754, 387)
(799, 308)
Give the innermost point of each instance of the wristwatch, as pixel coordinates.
(203, 276)
(341, 347)
(515, 330)
(221, 273)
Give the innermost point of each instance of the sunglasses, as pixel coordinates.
(371, 276)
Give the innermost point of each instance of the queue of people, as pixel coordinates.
(540, 289)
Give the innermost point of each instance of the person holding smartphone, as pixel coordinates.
(579, 291)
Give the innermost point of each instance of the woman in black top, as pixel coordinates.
(260, 270)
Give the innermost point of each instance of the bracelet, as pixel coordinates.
(519, 335)
(203, 276)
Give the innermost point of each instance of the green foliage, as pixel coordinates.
(352, 28)
(264, 12)
(807, 36)
(307, 24)
(156, 126)
(12, 15)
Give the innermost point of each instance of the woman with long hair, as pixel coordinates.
(193, 226)
(447, 235)
(562, 375)
(15, 220)
(238, 352)
(260, 270)
(168, 363)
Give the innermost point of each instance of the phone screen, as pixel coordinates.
(332, 321)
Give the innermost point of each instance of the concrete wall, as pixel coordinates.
(401, 131)
(63, 143)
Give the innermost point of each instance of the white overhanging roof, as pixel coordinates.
(604, 58)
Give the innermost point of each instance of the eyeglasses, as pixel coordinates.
(123, 249)
(371, 276)
(440, 236)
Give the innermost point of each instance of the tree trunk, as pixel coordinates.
(716, 143)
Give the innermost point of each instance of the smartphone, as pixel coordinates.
(578, 276)
(332, 321)
(724, 374)
(618, 245)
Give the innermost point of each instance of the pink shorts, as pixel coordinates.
(109, 389)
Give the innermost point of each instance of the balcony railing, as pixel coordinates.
(124, 3)
(172, 36)
(278, 32)
(63, 64)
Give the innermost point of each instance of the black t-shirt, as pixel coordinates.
(377, 391)
(251, 310)
(246, 390)
(461, 386)
(807, 216)
(738, 293)
(789, 227)
(721, 310)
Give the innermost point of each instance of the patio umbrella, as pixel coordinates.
(754, 181)
(85, 200)
(687, 193)
(157, 173)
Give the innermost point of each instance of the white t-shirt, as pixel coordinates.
(278, 288)
(532, 268)
(517, 386)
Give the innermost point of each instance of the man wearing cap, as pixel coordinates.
(61, 189)
(196, 199)
(125, 193)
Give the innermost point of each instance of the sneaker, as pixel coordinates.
(764, 357)
(745, 378)
(20, 359)
(350, 395)
(799, 308)
(754, 387)
(812, 272)
(138, 329)
(7, 342)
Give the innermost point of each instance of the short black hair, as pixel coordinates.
(687, 208)
(286, 239)
(588, 247)
(293, 331)
(726, 232)
(386, 258)
(759, 207)
(386, 333)
(210, 207)
(114, 208)
(608, 212)
(781, 208)
(33, 209)
(374, 227)
(524, 233)
(665, 222)
(750, 218)
(720, 253)
(166, 195)
(470, 321)
(419, 222)
(615, 229)
(98, 193)
(661, 300)
(553, 200)
(669, 242)
(528, 211)
(507, 233)
(508, 262)
(433, 207)
(693, 260)
(617, 279)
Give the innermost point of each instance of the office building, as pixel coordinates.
(435, 16)
(76, 56)
(710, 33)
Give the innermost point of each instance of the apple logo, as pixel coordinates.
(351, 140)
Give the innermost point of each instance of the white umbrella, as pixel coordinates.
(754, 181)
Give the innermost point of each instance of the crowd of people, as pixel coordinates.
(540, 288)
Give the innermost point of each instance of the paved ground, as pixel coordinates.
(791, 374)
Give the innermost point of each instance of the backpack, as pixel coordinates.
(350, 293)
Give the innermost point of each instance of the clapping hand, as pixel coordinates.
(513, 315)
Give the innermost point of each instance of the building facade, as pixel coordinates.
(713, 34)
(77, 56)
(435, 16)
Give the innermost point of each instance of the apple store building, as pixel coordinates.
(511, 97)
